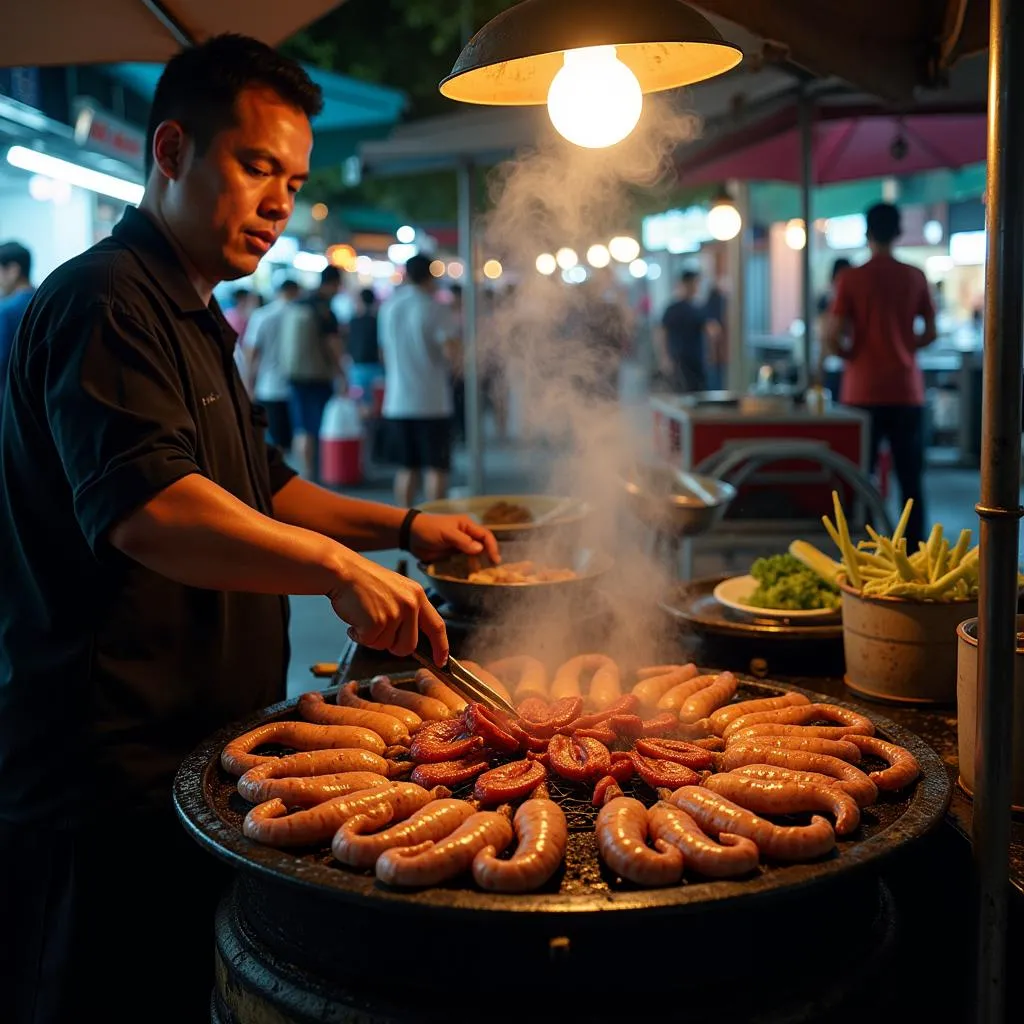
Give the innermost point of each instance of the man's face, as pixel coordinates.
(690, 288)
(10, 274)
(227, 207)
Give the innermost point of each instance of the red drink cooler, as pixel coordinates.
(341, 443)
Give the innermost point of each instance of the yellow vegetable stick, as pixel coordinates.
(846, 545)
(967, 567)
(932, 547)
(904, 568)
(832, 532)
(960, 549)
(939, 566)
(901, 526)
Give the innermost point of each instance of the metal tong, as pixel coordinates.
(461, 680)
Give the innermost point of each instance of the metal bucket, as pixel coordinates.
(901, 650)
(967, 709)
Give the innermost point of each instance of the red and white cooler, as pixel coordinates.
(341, 443)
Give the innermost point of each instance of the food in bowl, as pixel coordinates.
(506, 513)
(520, 572)
(784, 582)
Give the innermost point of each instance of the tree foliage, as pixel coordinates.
(408, 45)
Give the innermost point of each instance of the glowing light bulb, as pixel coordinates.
(546, 264)
(594, 100)
(624, 249)
(638, 268)
(492, 270)
(566, 258)
(437, 268)
(724, 221)
(796, 234)
(406, 234)
(599, 256)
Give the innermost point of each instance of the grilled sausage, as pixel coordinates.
(443, 741)
(269, 822)
(804, 714)
(730, 856)
(622, 831)
(708, 699)
(353, 846)
(450, 773)
(508, 782)
(674, 698)
(604, 688)
(237, 757)
(426, 707)
(430, 863)
(788, 796)
(903, 767)
(313, 708)
(529, 675)
(843, 749)
(724, 716)
(347, 697)
(718, 815)
(542, 833)
(303, 792)
(849, 777)
(652, 688)
(825, 732)
(651, 671)
(489, 678)
(430, 686)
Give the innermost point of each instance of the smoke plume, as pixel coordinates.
(556, 348)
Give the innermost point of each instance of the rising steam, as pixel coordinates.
(555, 346)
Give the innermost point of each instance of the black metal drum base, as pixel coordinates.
(799, 961)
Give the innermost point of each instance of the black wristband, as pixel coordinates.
(405, 530)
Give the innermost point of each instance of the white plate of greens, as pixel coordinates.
(780, 587)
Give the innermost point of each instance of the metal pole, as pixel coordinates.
(810, 374)
(471, 367)
(738, 376)
(999, 507)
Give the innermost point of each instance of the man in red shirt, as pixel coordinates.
(874, 327)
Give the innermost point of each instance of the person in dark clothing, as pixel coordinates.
(680, 340)
(832, 377)
(873, 328)
(148, 539)
(364, 348)
(15, 292)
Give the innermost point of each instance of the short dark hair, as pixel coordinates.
(240, 295)
(841, 264)
(199, 87)
(369, 296)
(288, 287)
(456, 289)
(15, 252)
(689, 276)
(330, 275)
(417, 269)
(883, 223)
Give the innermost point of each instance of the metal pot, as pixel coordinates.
(448, 578)
(967, 708)
(675, 502)
(902, 650)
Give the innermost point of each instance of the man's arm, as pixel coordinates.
(661, 348)
(926, 310)
(369, 526)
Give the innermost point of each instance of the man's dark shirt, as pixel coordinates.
(363, 346)
(122, 382)
(684, 329)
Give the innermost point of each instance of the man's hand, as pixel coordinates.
(386, 611)
(433, 537)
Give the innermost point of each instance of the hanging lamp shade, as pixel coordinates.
(513, 59)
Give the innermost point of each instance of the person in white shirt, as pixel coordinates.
(417, 346)
(264, 377)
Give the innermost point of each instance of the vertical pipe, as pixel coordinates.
(738, 376)
(999, 507)
(471, 365)
(810, 373)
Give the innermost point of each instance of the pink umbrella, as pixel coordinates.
(39, 32)
(848, 146)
